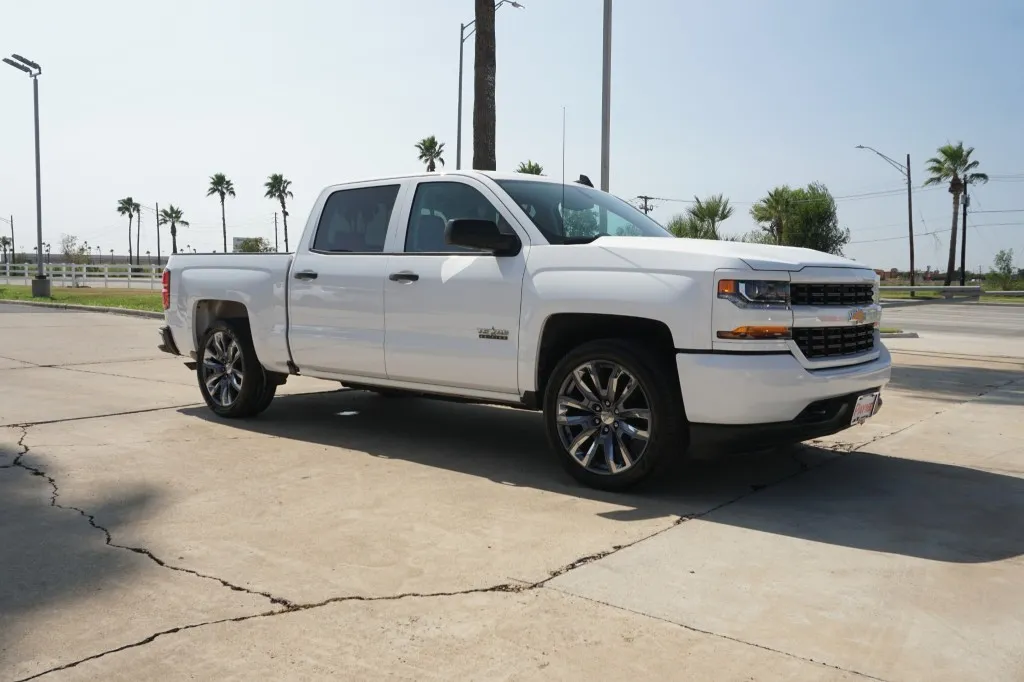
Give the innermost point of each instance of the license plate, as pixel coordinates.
(864, 408)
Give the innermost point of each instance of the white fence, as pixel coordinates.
(950, 293)
(117, 276)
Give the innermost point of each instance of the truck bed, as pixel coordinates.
(257, 281)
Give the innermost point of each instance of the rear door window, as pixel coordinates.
(355, 220)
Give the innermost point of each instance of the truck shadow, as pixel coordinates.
(52, 559)
(861, 500)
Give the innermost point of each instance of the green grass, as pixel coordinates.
(890, 330)
(104, 298)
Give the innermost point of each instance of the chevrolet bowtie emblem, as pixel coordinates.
(857, 316)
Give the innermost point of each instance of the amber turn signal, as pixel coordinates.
(757, 333)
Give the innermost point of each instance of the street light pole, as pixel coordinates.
(40, 284)
(905, 170)
(606, 95)
(458, 128)
(463, 36)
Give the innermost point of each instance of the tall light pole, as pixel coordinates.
(910, 201)
(463, 36)
(40, 284)
(606, 95)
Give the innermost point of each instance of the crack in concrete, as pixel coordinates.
(846, 447)
(292, 608)
(69, 365)
(69, 368)
(730, 638)
(143, 410)
(516, 586)
(55, 494)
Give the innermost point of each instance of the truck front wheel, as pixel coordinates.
(231, 378)
(614, 413)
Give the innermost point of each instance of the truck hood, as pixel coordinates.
(755, 256)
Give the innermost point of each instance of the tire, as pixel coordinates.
(618, 425)
(244, 390)
(269, 391)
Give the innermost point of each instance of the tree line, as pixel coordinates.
(276, 188)
(786, 216)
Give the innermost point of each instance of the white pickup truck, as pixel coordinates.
(520, 290)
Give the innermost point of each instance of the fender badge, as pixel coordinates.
(493, 334)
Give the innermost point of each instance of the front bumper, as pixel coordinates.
(167, 344)
(740, 389)
(820, 418)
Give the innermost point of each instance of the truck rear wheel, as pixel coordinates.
(614, 414)
(231, 378)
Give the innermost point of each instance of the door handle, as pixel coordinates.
(305, 274)
(403, 277)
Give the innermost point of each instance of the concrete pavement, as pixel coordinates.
(347, 535)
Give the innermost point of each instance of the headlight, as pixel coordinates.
(754, 293)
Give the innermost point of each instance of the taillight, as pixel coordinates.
(165, 290)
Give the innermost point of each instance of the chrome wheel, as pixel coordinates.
(223, 369)
(603, 417)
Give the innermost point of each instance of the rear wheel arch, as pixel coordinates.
(208, 311)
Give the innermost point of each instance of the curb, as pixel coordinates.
(88, 308)
(900, 335)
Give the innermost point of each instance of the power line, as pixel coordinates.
(1001, 210)
(925, 234)
(847, 197)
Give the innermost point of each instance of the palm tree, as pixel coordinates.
(484, 69)
(773, 211)
(691, 228)
(127, 206)
(711, 211)
(172, 216)
(953, 165)
(138, 231)
(530, 168)
(277, 188)
(222, 187)
(430, 151)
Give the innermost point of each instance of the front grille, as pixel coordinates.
(831, 294)
(828, 342)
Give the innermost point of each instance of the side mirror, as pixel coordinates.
(481, 235)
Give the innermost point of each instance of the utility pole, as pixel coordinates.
(647, 206)
(275, 231)
(963, 242)
(606, 95)
(12, 239)
(910, 222)
(157, 206)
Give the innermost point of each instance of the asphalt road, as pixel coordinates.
(344, 535)
(958, 318)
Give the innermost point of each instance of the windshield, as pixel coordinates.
(575, 214)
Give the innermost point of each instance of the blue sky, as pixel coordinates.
(733, 96)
